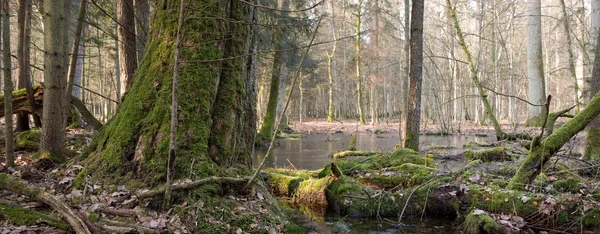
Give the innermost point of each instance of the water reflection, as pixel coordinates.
(311, 152)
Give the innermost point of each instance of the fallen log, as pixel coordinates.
(72, 218)
(21, 104)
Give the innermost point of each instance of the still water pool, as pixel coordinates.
(311, 152)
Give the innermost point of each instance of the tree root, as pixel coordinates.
(72, 218)
(119, 227)
(192, 184)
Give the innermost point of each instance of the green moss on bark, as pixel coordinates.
(134, 143)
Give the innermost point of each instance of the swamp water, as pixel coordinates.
(311, 152)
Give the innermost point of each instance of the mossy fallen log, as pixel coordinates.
(20, 103)
(20, 217)
(403, 176)
(349, 153)
(72, 218)
(283, 135)
(487, 155)
(283, 184)
(311, 193)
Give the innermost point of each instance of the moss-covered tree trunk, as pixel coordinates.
(278, 44)
(541, 153)
(474, 76)
(134, 143)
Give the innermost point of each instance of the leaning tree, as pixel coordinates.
(216, 122)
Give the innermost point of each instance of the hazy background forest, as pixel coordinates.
(495, 33)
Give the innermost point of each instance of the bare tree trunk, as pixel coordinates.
(126, 34)
(413, 119)
(22, 119)
(360, 101)
(535, 67)
(404, 112)
(572, 70)
(592, 139)
(75, 53)
(8, 87)
(142, 17)
(330, 68)
(55, 25)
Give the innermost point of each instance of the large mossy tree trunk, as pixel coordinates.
(541, 153)
(212, 82)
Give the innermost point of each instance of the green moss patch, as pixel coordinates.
(21, 217)
(480, 224)
(494, 154)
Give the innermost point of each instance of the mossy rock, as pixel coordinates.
(28, 139)
(480, 224)
(21, 217)
(404, 155)
(571, 185)
(488, 155)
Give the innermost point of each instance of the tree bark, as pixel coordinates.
(359, 102)
(535, 66)
(592, 138)
(22, 119)
(126, 35)
(142, 17)
(413, 117)
(406, 77)
(75, 52)
(55, 25)
(134, 144)
(541, 153)
(8, 87)
(330, 68)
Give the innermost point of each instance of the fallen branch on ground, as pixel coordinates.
(193, 184)
(72, 218)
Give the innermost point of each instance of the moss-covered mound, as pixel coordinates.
(21, 217)
(488, 155)
(28, 140)
(476, 223)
